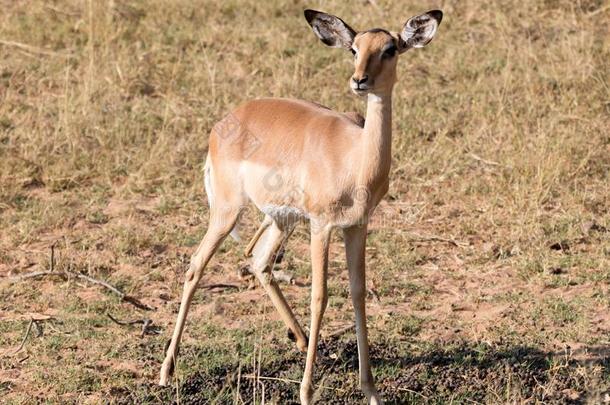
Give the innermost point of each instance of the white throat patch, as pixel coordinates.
(374, 98)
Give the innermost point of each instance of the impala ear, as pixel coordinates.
(419, 30)
(331, 30)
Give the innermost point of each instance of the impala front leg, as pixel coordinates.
(355, 244)
(319, 298)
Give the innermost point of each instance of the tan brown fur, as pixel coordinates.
(295, 159)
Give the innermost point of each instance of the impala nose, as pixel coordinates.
(359, 81)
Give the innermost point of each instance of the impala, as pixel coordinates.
(298, 160)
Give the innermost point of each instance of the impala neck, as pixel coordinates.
(377, 139)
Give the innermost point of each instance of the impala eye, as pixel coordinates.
(353, 51)
(389, 53)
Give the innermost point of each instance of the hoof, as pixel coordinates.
(306, 395)
(301, 346)
(167, 368)
(375, 400)
(372, 396)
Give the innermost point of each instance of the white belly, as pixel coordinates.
(284, 215)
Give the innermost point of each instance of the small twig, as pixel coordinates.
(67, 274)
(146, 324)
(434, 238)
(127, 298)
(25, 337)
(34, 49)
(137, 303)
(341, 331)
(219, 286)
(287, 380)
(480, 159)
(52, 257)
(413, 392)
(35, 274)
(124, 323)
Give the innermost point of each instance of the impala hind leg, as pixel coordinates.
(220, 226)
(355, 243)
(259, 232)
(264, 251)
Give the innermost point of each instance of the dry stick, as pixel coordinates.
(413, 392)
(480, 159)
(287, 380)
(22, 277)
(25, 337)
(219, 286)
(238, 394)
(434, 238)
(53, 256)
(124, 297)
(123, 323)
(341, 331)
(67, 274)
(33, 49)
(146, 324)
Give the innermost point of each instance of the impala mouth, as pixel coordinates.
(361, 91)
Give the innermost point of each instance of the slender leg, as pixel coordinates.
(319, 299)
(264, 225)
(264, 251)
(219, 228)
(355, 243)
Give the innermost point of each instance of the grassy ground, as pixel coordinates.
(489, 260)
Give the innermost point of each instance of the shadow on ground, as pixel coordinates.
(457, 372)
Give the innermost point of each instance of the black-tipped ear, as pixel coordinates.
(331, 30)
(419, 30)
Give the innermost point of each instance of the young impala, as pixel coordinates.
(298, 160)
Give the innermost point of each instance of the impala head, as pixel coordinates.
(375, 51)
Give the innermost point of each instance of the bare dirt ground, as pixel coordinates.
(488, 261)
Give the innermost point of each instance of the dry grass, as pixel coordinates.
(501, 143)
